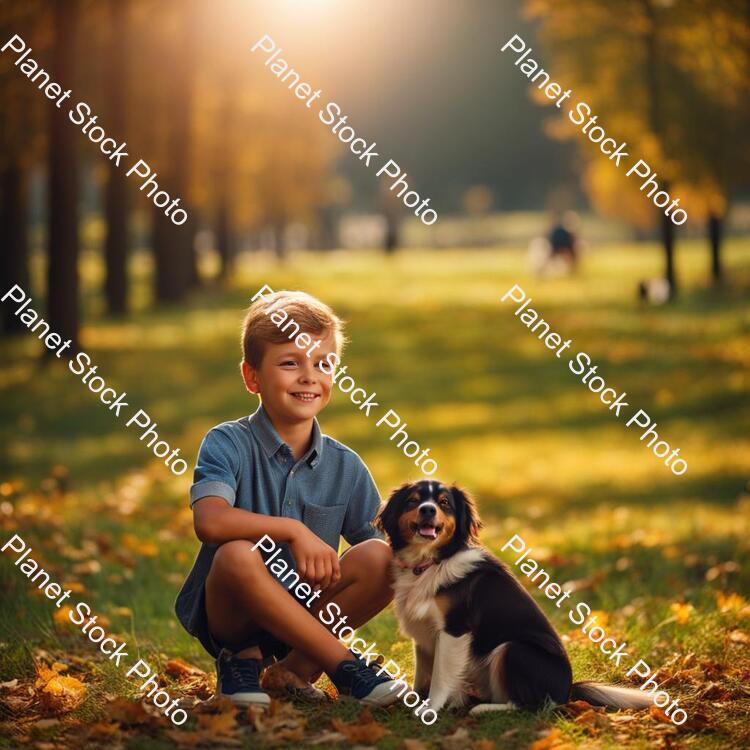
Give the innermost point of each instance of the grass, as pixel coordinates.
(502, 416)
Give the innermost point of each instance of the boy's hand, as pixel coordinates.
(317, 563)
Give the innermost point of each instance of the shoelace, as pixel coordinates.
(243, 670)
(363, 674)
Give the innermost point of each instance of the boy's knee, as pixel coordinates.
(374, 555)
(235, 556)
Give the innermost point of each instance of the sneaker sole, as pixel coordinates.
(381, 696)
(248, 699)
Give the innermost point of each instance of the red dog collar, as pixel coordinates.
(417, 569)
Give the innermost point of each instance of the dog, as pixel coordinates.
(478, 635)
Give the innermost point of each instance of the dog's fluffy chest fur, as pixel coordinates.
(414, 595)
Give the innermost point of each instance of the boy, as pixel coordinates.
(274, 473)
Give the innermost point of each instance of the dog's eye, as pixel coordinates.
(443, 500)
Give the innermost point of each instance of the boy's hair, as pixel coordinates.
(310, 314)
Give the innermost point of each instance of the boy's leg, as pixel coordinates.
(364, 589)
(242, 597)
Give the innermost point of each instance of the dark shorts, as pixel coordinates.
(269, 644)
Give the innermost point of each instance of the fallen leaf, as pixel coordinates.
(459, 740)
(574, 708)
(282, 721)
(552, 740)
(61, 616)
(714, 692)
(180, 668)
(414, 745)
(223, 723)
(656, 713)
(10, 685)
(134, 544)
(127, 713)
(739, 636)
(62, 694)
(681, 612)
(593, 721)
(696, 720)
(363, 731)
(75, 586)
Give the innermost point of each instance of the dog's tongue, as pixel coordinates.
(430, 531)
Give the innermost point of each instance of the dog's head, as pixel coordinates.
(429, 519)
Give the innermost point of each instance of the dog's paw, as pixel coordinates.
(485, 708)
(457, 702)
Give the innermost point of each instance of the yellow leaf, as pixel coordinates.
(134, 544)
(681, 612)
(64, 693)
(730, 602)
(61, 616)
(57, 692)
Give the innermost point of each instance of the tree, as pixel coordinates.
(712, 49)
(19, 149)
(165, 72)
(62, 268)
(636, 66)
(116, 202)
(262, 159)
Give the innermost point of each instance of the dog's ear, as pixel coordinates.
(390, 512)
(468, 522)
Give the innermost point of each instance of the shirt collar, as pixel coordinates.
(271, 442)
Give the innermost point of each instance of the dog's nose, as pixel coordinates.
(427, 510)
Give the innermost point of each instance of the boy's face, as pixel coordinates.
(291, 384)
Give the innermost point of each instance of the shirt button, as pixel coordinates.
(292, 472)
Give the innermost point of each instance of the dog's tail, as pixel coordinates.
(609, 696)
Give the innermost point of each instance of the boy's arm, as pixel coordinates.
(217, 522)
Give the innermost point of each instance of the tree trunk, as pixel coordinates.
(14, 259)
(668, 237)
(715, 229)
(62, 269)
(116, 243)
(654, 84)
(279, 239)
(391, 233)
(224, 238)
(174, 246)
(170, 275)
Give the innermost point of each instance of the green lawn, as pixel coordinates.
(502, 416)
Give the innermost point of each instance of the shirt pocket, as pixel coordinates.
(324, 520)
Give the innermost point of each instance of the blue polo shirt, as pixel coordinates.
(247, 463)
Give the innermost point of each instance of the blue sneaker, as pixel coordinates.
(239, 680)
(356, 679)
